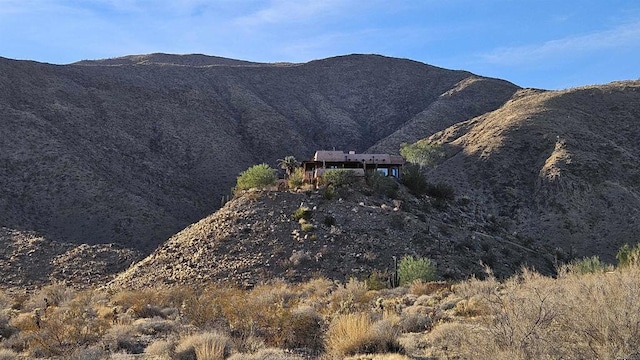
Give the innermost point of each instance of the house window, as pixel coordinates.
(385, 171)
(395, 172)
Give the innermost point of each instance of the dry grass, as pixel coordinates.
(204, 346)
(356, 333)
(574, 316)
(532, 316)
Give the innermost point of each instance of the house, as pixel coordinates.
(389, 165)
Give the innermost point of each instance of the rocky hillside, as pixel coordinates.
(102, 161)
(256, 237)
(560, 168)
(132, 150)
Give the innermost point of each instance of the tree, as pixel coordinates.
(257, 176)
(288, 164)
(422, 153)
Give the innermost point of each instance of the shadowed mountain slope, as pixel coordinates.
(93, 153)
(558, 168)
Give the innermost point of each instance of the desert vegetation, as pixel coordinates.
(577, 315)
(256, 176)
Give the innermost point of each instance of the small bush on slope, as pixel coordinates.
(257, 176)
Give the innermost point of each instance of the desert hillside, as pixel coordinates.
(103, 161)
(559, 168)
(131, 150)
(259, 236)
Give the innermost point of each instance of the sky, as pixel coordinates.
(549, 44)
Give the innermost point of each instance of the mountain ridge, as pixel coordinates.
(131, 154)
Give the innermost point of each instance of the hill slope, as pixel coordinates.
(256, 238)
(131, 150)
(559, 168)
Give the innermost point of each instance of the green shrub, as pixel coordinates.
(302, 212)
(422, 153)
(307, 227)
(628, 256)
(382, 184)
(329, 193)
(339, 177)
(411, 268)
(413, 178)
(257, 176)
(296, 178)
(587, 265)
(377, 280)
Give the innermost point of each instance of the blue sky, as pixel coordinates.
(551, 44)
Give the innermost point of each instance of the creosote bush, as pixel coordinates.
(629, 256)
(303, 212)
(296, 179)
(381, 184)
(257, 176)
(413, 178)
(339, 177)
(415, 268)
(588, 265)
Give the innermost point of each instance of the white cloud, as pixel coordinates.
(624, 36)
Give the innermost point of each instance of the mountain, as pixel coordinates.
(102, 161)
(558, 168)
(547, 177)
(129, 151)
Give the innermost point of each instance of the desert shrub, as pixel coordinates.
(122, 337)
(415, 268)
(587, 265)
(351, 297)
(206, 309)
(382, 184)
(419, 287)
(151, 302)
(296, 179)
(441, 191)
(257, 176)
(377, 280)
(160, 349)
(88, 353)
(413, 178)
(6, 354)
(339, 177)
(6, 329)
(356, 333)
(414, 322)
(50, 295)
(329, 192)
(628, 256)
(59, 331)
(303, 328)
(154, 326)
(204, 346)
(307, 227)
(303, 212)
(422, 153)
(267, 354)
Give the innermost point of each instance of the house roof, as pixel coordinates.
(340, 156)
